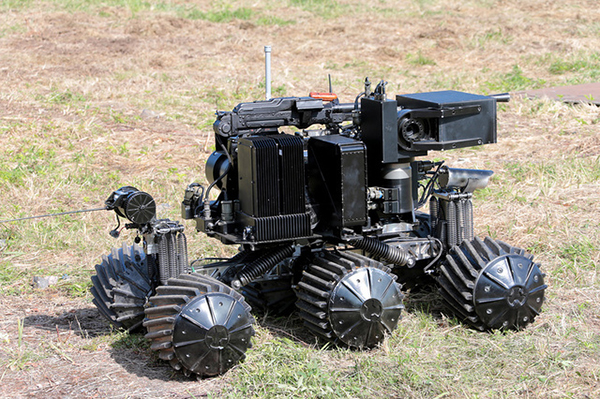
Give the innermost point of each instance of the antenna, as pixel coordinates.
(267, 72)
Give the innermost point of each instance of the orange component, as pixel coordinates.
(323, 96)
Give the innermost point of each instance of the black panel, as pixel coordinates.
(279, 227)
(258, 171)
(291, 151)
(337, 179)
(379, 121)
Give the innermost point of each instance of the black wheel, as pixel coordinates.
(349, 298)
(122, 286)
(199, 325)
(491, 284)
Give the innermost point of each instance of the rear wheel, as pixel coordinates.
(491, 284)
(199, 325)
(122, 286)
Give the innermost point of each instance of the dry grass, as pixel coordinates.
(76, 75)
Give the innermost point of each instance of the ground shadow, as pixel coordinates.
(130, 350)
(85, 322)
(133, 353)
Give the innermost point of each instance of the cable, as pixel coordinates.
(429, 187)
(54, 214)
(434, 261)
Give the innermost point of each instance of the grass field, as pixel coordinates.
(77, 75)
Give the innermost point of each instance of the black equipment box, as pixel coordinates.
(338, 180)
(448, 119)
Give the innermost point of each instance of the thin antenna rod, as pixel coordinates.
(267, 72)
(330, 89)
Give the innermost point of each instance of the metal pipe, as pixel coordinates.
(267, 72)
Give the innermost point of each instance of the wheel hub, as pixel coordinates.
(364, 306)
(371, 310)
(217, 337)
(211, 333)
(512, 280)
(517, 296)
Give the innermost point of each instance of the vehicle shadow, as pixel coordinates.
(130, 350)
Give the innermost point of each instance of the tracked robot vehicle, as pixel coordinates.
(325, 202)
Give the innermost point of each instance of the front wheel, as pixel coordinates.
(491, 284)
(199, 325)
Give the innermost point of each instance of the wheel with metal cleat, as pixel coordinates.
(349, 298)
(492, 285)
(199, 325)
(122, 285)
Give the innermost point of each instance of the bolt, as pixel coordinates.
(520, 265)
(505, 324)
(525, 318)
(341, 322)
(489, 311)
(487, 288)
(538, 300)
(500, 270)
(220, 303)
(536, 278)
(358, 280)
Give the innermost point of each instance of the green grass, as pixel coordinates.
(490, 38)
(220, 16)
(15, 5)
(515, 80)
(419, 59)
(327, 9)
